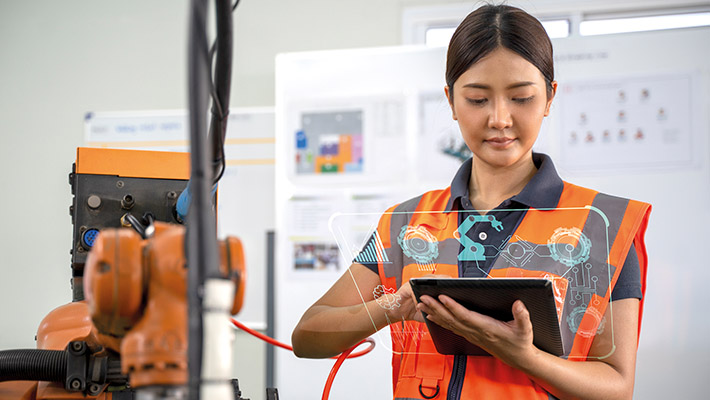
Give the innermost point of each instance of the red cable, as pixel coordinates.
(333, 371)
(287, 347)
(260, 335)
(339, 362)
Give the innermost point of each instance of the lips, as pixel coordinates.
(500, 142)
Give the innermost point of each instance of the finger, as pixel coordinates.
(433, 306)
(439, 314)
(521, 316)
(456, 309)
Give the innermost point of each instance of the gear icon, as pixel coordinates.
(416, 242)
(563, 249)
(574, 319)
(387, 298)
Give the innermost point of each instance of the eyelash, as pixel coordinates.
(480, 102)
(523, 100)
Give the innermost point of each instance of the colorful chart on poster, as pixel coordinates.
(330, 143)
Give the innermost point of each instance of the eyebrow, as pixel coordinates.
(512, 86)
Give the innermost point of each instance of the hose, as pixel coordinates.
(342, 357)
(336, 367)
(33, 365)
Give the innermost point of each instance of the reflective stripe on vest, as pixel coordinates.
(553, 244)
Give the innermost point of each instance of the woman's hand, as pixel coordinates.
(408, 310)
(511, 342)
(607, 377)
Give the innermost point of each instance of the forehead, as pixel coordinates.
(501, 66)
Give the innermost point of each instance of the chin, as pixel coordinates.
(502, 159)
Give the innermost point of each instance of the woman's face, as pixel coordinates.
(499, 104)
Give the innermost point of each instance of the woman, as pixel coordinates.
(500, 85)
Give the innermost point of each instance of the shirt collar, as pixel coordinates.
(543, 190)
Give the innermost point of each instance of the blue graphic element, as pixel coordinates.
(472, 250)
(374, 252)
(301, 140)
(417, 243)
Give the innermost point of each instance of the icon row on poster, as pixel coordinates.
(623, 96)
(621, 116)
(607, 136)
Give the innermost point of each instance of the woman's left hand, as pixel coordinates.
(511, 342)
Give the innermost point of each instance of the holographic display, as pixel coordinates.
(574, 256)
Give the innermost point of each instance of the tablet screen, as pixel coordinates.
(494, 298)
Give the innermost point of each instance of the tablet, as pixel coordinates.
(494, 297)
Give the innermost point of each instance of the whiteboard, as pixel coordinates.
(246, 191)
(673, 347)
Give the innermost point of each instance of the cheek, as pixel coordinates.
(468, 116)
(531, 119)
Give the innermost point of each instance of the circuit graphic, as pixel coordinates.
(583, 285)
(420, 245)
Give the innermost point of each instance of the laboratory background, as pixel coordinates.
(631, 118)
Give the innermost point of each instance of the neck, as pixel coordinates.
(491, 185)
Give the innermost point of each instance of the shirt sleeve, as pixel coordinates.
(366, 259)
(628, 286)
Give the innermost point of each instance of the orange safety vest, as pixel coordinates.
(549, 243)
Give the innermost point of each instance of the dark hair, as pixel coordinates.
(493, 26)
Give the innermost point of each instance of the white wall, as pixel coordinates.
(59, 60)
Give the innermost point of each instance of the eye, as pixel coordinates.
(477, 102)
(523, 100)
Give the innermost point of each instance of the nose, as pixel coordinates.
(500, 117)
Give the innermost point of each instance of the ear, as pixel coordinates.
(450, 98)
(549, 101)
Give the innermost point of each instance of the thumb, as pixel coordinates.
(521, 315)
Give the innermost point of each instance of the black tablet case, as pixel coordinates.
(494, 297)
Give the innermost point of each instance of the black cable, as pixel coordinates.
(33, 365)
(220, 85)
(148, 218)
(201, 241)
(137, 225)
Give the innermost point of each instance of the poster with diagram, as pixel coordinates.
(330, 142)
(627, 123)
(439, 140)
